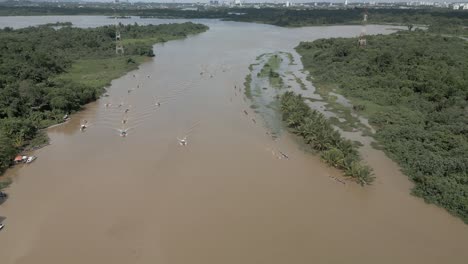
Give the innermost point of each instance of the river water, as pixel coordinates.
(96, 197)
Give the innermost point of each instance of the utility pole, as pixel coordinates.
(119, 49)
(362, 38)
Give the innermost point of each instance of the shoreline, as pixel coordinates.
(137, 61)
(33, 148)
(148, 199)
(396, 125)
(276, 90)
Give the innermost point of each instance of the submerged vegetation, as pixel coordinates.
(46, 73)
(270, 70)
(300, 82)
(265, 87)
(319, 134)
(413, 87)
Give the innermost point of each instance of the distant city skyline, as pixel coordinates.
(279, 1)
(293, 2)
(253, 1)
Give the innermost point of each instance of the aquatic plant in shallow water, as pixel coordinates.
(318, 133)
(361, 172)
(334, 157)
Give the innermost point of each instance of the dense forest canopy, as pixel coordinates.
(32, 94)
(414, 88)
(295, 18)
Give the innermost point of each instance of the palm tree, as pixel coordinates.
(334, 157)
(317, 132)
(362, 173)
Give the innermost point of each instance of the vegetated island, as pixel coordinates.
(413, 87)
(46, 73)
(310, 125)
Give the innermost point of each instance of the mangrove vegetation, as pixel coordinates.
(320, 135)
(413, 87)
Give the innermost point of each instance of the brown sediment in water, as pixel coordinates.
(96, 197)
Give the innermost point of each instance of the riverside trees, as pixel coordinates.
(413, 86)
(318, 133)
(39, 82)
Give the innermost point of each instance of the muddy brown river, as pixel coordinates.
(96, 197)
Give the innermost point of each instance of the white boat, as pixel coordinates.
(183, 141)
(30, 159)
(2, 226)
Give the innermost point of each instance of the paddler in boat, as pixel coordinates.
(84, 125)
(183, 141)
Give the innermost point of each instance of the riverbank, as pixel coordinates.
(68, 68)
(318, 133)
(410, 87)
(147, 199)
(439, 20)
(275, 92)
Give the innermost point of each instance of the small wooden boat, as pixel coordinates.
(31, 159)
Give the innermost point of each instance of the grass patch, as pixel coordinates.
(351, 122)
(148, 41)
(290, 57)
(300, 82)
(257, 91)
(344, 125)
(271, 65)
(276, 80)
(252, 65)
(262, 55)
(100, 72)
(269, 70)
